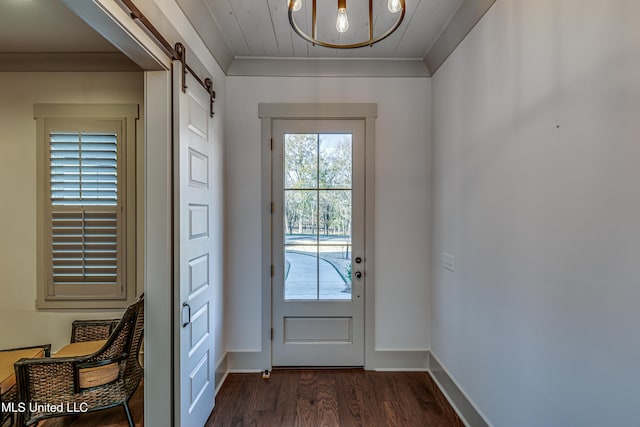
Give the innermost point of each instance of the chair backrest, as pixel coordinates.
(123, 346)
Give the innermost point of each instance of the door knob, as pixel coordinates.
(358, 275)
(358, 260)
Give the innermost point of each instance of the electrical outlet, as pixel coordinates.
(448, 262)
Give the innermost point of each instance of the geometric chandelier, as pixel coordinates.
(342, 23)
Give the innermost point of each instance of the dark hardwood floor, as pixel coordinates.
(306, 398)
(332, 398)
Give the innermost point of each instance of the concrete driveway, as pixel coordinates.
(300, 282)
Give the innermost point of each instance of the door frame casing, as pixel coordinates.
(315, 111)
(320, 352)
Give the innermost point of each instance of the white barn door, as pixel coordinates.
(193, 195)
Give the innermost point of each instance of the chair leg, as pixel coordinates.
(128, 412)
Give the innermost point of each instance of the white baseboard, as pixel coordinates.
(248, 361)
(405, 360)
(400, 370)
(462, 404)
(222, 371)
(222, 380)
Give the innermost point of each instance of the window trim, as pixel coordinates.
(127, 115)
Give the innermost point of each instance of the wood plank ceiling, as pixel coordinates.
(260, 28)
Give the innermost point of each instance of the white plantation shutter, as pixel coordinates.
(84, 212)
(86, 232)
(84, 169)
(84, 246)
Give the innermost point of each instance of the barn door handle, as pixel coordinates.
(188, 307)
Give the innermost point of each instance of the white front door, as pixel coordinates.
(318, 242)
(193, 259)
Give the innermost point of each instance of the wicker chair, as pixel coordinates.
(103, 379)
(8, 387)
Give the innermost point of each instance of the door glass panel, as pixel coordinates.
(317, 216)
(335, 217)
(300, 160)
(301, 272)
(300, 217)
(335, 244)
(335, 160)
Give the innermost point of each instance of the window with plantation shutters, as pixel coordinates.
(84, 168)
(84, 211)
(88, 209)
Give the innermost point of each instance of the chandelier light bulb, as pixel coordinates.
(342, 22)
(394, 6)
(297, 4)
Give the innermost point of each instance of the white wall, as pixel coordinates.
(536, 137)
(402, 215)
(21, 323)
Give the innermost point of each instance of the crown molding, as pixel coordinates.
(66, 61)
(462, 22)
(294, 67)
(206, 27)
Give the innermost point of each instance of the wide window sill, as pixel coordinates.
(84, 304)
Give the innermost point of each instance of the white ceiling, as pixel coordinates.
(260, 28)
(46, 26)
(249, 36)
